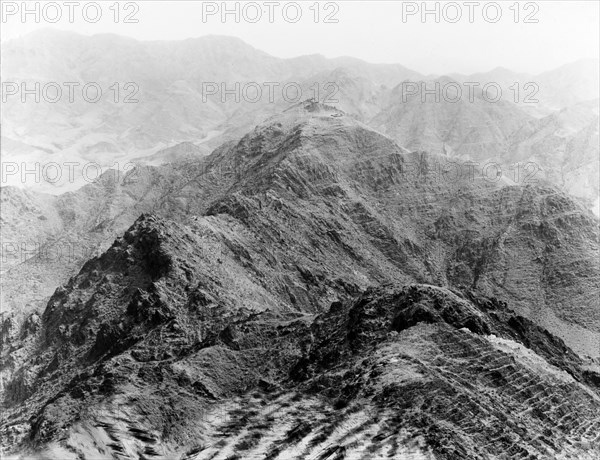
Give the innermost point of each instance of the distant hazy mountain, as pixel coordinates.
(570, 84)
(552, 90)
(474, 129)
(168, 79)
(565, 147)
(174, 106)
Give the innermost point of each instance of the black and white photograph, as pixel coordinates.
(318, 230)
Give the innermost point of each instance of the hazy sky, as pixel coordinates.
(375, 31)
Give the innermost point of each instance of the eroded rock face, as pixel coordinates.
(137, 357)
(321, 281)
(449, 383)
(420, 307)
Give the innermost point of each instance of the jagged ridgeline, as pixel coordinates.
(312, 291)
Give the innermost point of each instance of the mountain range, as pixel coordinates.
(550, 127)
(311, 290)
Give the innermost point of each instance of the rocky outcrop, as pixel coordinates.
(438, 365)
(175, 370)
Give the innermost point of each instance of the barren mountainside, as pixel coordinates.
(152, 350)
(309, 291)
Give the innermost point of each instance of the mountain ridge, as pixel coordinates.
(309, 289)
(169, 331)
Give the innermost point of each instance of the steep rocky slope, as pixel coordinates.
(175, 344)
